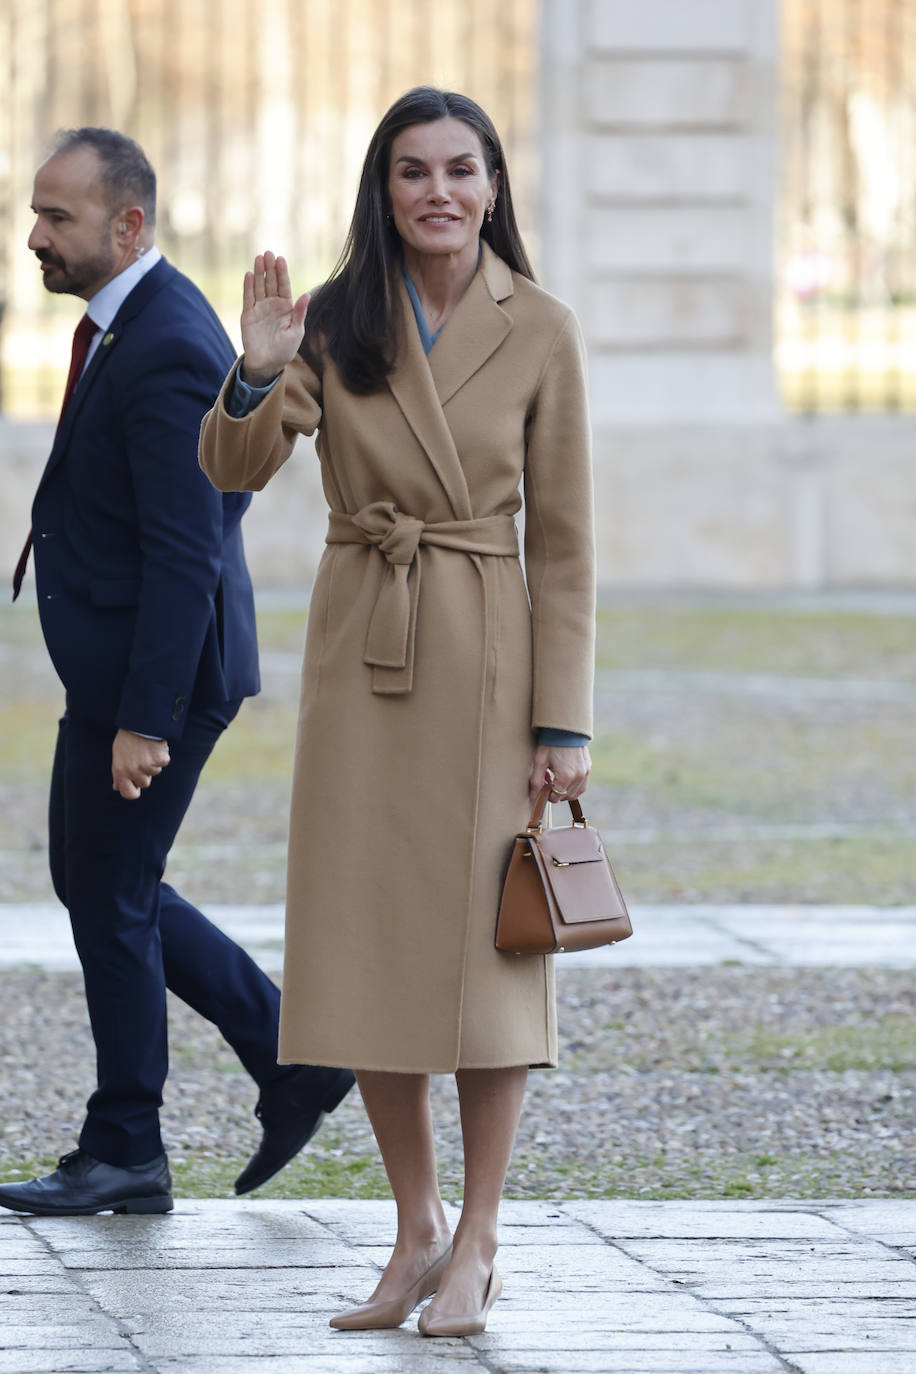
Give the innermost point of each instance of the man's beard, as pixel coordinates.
(79, 276)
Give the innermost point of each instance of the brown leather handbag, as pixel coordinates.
(560, 891)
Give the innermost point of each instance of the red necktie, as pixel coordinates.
(82, 337)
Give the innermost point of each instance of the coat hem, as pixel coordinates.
(388, 1068)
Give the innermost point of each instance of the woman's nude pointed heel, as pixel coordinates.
(374, 1316)
(430, 1324)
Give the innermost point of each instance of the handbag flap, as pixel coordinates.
(573, 844)
(580, 876)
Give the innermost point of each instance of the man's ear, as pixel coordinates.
(128, 224)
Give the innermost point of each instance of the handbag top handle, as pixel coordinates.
(536, 822)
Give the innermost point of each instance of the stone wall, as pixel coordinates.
(658, 143)
(826, 504)
(659, 138)
(658, 133)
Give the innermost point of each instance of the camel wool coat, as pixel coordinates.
(431, 658)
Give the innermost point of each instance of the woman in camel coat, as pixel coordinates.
(442, 683)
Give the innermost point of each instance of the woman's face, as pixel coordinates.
(439, 187)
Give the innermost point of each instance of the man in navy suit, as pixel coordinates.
(147, 612)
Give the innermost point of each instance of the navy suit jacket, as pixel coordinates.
(145, 599)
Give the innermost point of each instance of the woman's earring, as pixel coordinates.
(490, 209)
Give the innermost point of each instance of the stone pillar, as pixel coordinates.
(658, 140)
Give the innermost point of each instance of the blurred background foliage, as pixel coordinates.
(257, 121)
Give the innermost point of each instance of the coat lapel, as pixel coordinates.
(475, 329)
(421, 386)
(411, 384)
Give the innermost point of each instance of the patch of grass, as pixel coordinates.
(258, 747)
(197, 1175)
(599, 1175)
(28, 735)
(15, 1170)
(779, 1035)
(620, 760)
(282, 629)
(749, 639)
(687, 1175)
(739, 760)
(876, 870)
(888, 1044)
(659, 1176)
(200, 1175)
(685, 765)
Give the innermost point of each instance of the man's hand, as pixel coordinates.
(135, 761)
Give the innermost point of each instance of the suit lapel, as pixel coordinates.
(145, 289)
(421, 386)
(99, 358)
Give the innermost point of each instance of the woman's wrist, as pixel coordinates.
(258, 378)
(559, 738)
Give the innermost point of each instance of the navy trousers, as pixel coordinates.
(136, 936)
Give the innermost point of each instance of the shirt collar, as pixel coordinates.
(105, 304)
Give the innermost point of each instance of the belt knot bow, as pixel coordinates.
(389, 529)
(398, 537)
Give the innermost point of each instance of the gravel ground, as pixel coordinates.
(746, 752)
(677, 1082)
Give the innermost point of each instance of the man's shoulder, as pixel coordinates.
(168, 289)
(176, 312)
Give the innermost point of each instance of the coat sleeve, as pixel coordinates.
(559, 539)
(179, 529)
(243, 454)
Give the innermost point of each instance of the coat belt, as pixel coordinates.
(398, 537)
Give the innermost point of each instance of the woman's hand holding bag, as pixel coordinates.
(565, 766)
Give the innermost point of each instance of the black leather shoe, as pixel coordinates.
(82, 1186)
(290, 1111)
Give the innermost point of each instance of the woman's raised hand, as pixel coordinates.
(272, 324)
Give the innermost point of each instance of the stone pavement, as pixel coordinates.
(616, 1287)
(613, 1287)
(771, 936)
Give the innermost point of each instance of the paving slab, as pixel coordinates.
(684, 936)
(708, 1220)
(78, 1361)
(356, 1363)
(674, 1361)
(847, 1362)
(892, 1222)
(247, 1287)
